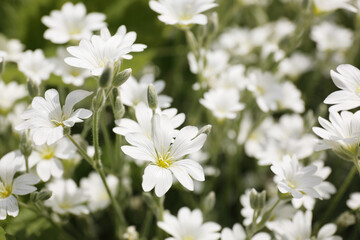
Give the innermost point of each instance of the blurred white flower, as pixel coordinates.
(348, 80)
(11, 186)
(71, 23)
(102, 50)
(291, 177)
(10, 49)
(69, 74)
(290, 98)
(131, 233)
(66, 197)
(46, 119)
(143, 116)
(238, 233)
(341, 133)
(182, 12)
(297, 64)
(223, 103)
(14, 117)
(35, 66)
(332, 5)
(47, 158)
(331, 37)
(189, 225)
(165, 155)
(10, 93)
(354, 201)
(133, 92)
(95, 189)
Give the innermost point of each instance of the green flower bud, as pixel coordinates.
(44, 194)
(25, 144)
(99, 99)
(257, 200)
(122, 77)
(33, 88)
(152, 97)
(105, 77)
(209, 202)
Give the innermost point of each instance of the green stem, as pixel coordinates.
(356, 162)
(96, 136)
(27, 163)
(81, 150)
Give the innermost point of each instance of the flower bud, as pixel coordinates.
(105, 77)
(119, 109)
(25, 144)
(44, 194)
(99, 99)
(152, 97)
(346, 219)
(257, 200)
(122, 77)
(209, 202)
(32, 88)
(205, 129)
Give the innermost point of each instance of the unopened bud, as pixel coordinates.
(122, 77)
(44, 194)
(257, 200)
(119, 109)
(25, 144)
(33, 88)
(346, 219)
(152, 97)
(99, 99)
(209, 202)
(105, 77)
(205, 129)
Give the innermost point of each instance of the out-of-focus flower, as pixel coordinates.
(35, 66)
(291, 177)
(133, 92)
(165, 155)
(341, 133)
(10, 49)
(182, 12)
(71, 23)
(223, 103)
(331, 37)
(95, 189)
(332, 5)
(131, 233)
(66, 197)
(354, 201)
(69, 74)
(47, 158)
(238, 233)
(11, 186)
(189, 225)
(295, 65)
(10, 93)
(102, 50)
(348, 80)
(46, 119)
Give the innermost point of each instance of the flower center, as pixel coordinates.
(65, 205)
(188, 238)
(47, 153)
(164, 161)
(57, 123)
(5, 190)
(291, 184)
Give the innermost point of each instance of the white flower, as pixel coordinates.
(10, 93)
(165, 155)
(71, 23)
(331, 37)
(341, 134)
(348, 80)
(182, 12)
(188, 225)
(295, 179)
(69, 74)
(354, 201)
(66, 197)
(131, 233)
(95, 189)
(297, 64)
(134, 92)
(102, 50)
(35, 66)
(47, 119)
(223, 103)
(290, 98)
(47, 158)
(10, 187)
(143, 116)
(238, 233)
(10, 49)
(332, 5)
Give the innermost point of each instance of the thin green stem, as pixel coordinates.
(96, 136)
(81, 150)
(27, 163)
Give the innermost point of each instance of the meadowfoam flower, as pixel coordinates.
(46, 119)
(10, 187)
(238, 233)
(165, 155)
(223, 103)
(182, 12)
(332, 5)
(95, 189)
(66, 197)
(133, 92)
(341, 134)
(48, 158)
(347, 78)
(10, 93)
(189, 225)
(10, 49)
(291, 177)
(102, 50)
(71, 23)
(354, 201)
(35, 66)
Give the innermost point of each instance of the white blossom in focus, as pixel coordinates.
(189, 225)
(71, 23)
(46, 119)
